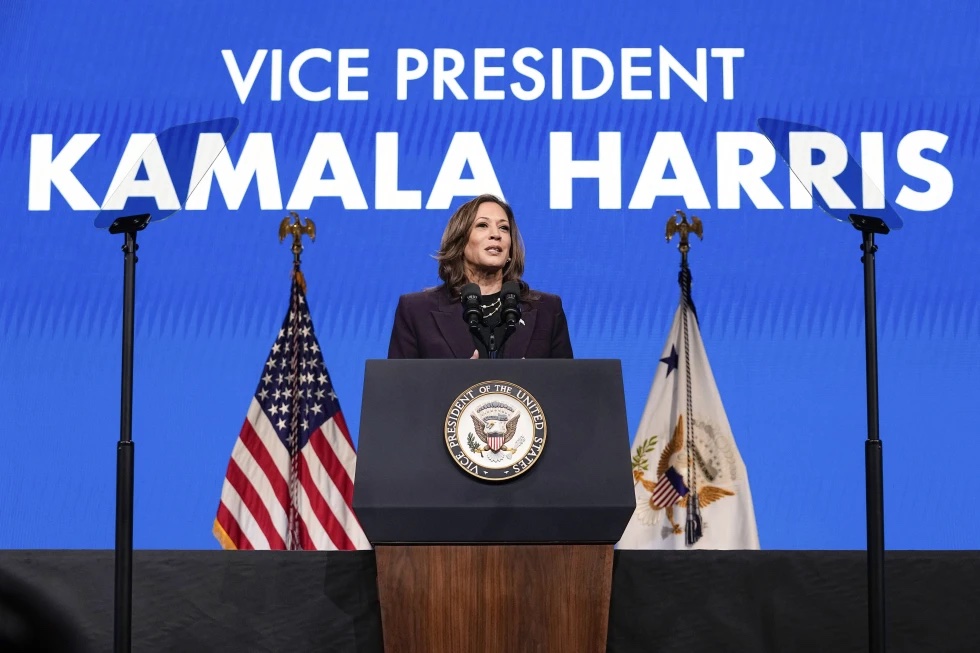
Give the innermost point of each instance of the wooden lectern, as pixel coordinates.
(465, 564)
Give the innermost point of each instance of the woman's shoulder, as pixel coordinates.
(422, 298)
(540, 299)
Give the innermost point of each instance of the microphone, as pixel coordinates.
(470, 296)
(510, 310)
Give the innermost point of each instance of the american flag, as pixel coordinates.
(669, 489)
(290, 479)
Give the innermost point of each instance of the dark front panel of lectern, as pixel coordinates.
(409, 489)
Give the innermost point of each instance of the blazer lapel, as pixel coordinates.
(516, 344)
(449, 320)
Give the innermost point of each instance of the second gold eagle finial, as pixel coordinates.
(681, 226)
(298, 227)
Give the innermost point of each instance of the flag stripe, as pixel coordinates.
(314, 535)
(320, 508)
(256, 507)
(336, 433)
(666, 497)
(307, 540)
(251, 535)
(259, 436)
(259, 488)
(271, 500)
(321, 445)
(337, 501)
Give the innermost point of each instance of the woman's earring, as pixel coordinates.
(508, 260)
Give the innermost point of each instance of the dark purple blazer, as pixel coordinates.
(429, 324)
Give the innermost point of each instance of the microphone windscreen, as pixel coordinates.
(470, 290)
(510, 312)
(470, 297)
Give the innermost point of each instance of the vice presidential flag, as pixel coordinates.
(692, 489)
(290, 480)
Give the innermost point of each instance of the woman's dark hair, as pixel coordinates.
(452, 269)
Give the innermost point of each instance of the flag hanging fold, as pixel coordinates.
(692, 489)
(290, 479)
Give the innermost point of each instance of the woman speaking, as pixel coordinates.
(482, 309)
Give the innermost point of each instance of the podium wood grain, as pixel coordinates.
(486, 598)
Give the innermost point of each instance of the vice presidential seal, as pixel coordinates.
(495, 430)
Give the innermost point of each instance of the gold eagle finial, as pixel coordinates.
(298, 227)
(681, 226)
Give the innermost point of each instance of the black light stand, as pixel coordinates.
(125, 461)
(874, 482)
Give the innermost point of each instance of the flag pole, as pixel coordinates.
(297, 227)
(680, 226)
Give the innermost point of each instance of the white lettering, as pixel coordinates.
(872, 170)
(142, 152)
(481, 71)
(817, 177)
(669, 148)
(527, 71)
(275, 77)
(556, 74)
(405, 74)
(386, 192)
(346, 71)
(327, 148)
(213, 162)
(697, 84)
(734, 177)
(629, 71)
(297, 85)
(243, 83)
(607, 169)
(579, 55)
(938, 177)
(465, 148)
(727, 56)
(47, 170)
(443, 77)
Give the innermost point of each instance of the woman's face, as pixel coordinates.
(489, 245)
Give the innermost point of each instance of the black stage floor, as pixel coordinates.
(687, 602)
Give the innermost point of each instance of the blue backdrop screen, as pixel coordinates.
(595, 122)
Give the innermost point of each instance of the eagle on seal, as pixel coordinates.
(707, 494)
(493, 440)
